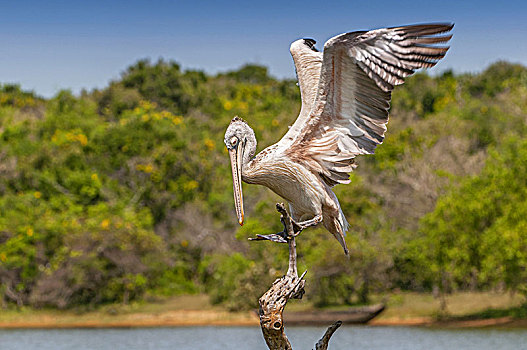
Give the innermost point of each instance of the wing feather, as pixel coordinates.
(357, 73)
(308, 62)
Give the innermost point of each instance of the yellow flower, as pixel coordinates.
(145, 117)
(145, 104)
(177, 120)
(209, 144)
(37, 194)
(94, 177)
(3, 257)
(227, 105)
(184, 243)
(148, 168)
(275, 123)
(105, 224)
(82, 139)
(30, 232)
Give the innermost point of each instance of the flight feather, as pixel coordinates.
(346, 92)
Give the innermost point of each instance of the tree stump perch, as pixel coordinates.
(273, 302)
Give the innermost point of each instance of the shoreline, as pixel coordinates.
(503, 322)
(201, 318)
(403, 310)
(180, 318)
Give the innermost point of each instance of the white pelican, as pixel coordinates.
(346, 92)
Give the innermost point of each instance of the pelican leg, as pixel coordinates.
(291, 227)
(283, 236)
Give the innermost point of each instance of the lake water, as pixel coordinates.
(207, 338)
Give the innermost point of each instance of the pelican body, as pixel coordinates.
(346, 92)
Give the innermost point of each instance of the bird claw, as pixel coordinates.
(299, 226)
(274, 237)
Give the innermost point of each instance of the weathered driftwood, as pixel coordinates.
(273, 302)
(322, 344)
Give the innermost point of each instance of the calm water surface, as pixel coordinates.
(197, 338)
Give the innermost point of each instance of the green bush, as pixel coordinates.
(127, 191)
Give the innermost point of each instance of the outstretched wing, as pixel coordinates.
(308, 62)
(350, 112)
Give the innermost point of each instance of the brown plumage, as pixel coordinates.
(346, 92)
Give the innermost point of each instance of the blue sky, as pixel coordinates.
(51, 45)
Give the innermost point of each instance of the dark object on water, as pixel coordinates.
(354, 315)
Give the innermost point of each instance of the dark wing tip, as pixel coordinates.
(310, 43)
(238, 119)
(427, 28)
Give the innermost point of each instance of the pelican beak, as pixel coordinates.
(236, 165)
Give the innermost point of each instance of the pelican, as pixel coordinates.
(346, 93)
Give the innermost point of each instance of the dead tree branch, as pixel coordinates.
(273, 302)
(323, 343)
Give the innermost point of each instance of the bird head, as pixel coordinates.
(237, 136)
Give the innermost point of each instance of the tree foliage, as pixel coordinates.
(126, 192)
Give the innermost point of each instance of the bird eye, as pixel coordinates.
(234, 140)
